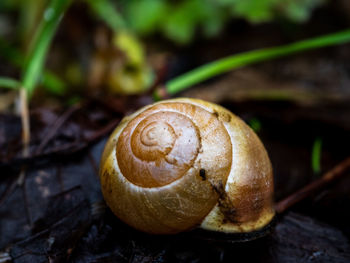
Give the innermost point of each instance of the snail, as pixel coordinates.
(182, 164)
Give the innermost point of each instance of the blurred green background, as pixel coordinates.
(121, 47)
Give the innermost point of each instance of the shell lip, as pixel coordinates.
(238, 237)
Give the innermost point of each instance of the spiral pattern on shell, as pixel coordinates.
(174, 164)
(162, 143)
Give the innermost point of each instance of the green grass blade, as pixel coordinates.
(316, 155)
(9, 83)
(50, 80)
(220, 66)
(53, 84)
(255, 124)
(108, 13)
(41, 43)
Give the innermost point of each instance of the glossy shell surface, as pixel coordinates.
(184, 163)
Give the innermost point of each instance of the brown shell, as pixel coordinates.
(182, 163)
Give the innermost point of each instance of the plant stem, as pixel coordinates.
(314, 186)
(41, 43)
(33, 68)
(220, 66)
(25, 121)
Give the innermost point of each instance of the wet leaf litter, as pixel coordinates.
(60, 215)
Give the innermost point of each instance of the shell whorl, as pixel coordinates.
(161, 144)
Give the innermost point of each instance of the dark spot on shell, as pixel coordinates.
(225, 117)
(225, 204)
(216, 114)
(229, 211)
(219, 189)
(202, 174)
(222, 116)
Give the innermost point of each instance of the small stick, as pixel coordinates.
(306, 191)
(25, 121)
(93, 164)
(56, 126)
(23, 96)
(5, 257)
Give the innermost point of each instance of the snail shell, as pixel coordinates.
(185, 163)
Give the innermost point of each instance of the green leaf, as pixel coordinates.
(255, 124)
(179, 20)
(298, 11)
(223, 65)
(53, 83)
(9, 83)
(50, 81)
(108, 12)
(256, 11)
(146, 16)
(316, 155)
(180, 23)
(213, 19)
(41, 43)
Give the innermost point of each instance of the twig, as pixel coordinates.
(5, 257)
(306, 191)
(56, 126)
(103, 131)
(66, 149)
(25, 119)
(26, 203)
(8, 191)
(93, 164)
